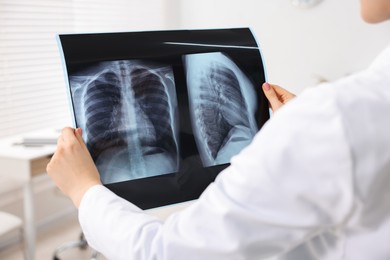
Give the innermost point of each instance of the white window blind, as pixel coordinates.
(32, 86)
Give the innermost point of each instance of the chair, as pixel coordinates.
(8, 223)
(81, 244)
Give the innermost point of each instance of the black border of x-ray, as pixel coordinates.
(79, 50)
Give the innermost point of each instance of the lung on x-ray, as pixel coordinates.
(164, 112)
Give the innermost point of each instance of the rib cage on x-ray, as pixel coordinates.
(223, 105)
(126, 108)
(153, 104)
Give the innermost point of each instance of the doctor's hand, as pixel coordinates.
(277, 96)
(71, 167)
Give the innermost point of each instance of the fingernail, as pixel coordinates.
(79, 131)
(266, 86)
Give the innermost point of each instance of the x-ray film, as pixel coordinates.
(163, 112)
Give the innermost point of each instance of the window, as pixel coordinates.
(33, 92)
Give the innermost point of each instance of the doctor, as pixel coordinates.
(313, 184)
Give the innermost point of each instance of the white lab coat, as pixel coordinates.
(313, 184)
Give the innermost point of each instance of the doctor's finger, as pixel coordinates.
(283, 95)
(272, 97)
(59, 140)
(79, 135)
(68, 135)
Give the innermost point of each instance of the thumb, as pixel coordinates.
(79, 135)
(272, 97)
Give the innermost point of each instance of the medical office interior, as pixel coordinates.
(302, 46)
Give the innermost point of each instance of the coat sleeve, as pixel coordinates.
(291, 183)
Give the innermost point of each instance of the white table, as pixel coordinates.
(23, 163)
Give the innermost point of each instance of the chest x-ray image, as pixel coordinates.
(127, 109)
(222, 105)
(163, 112)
